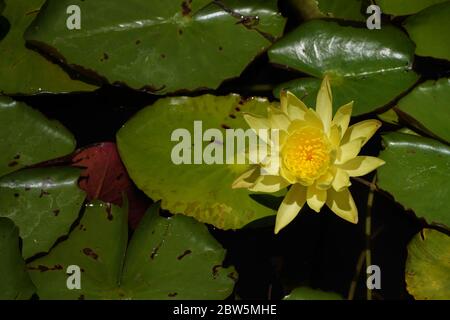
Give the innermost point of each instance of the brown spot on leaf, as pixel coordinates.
(17, 157)
(56, 212)
(220, 48)
(43, 193)
(109, 212)
(43, 268)
(224, 126)
(215, 270)
(232, 116)
(173, 294)
(163, 56)
(90, 253)
(180, 32)
(16, 195)
(138, 42)
(13, 164)
(232, 276)
(186, 7)
(187, 252)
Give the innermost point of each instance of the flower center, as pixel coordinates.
(306, 153)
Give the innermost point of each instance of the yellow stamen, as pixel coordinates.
(306, 153)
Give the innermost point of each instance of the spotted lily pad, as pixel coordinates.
(167, 258)
(428, 107)
(159, 46)
(428, 266)
(15, 284)
(27, 137)
(417, 174)
(43, 203)
(369, 67)
(23, 70)
(199, 190)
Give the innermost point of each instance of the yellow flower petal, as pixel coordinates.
(324, 182)
(257, 122)
(341, 180)
(278, 119)
(360, 166)
(292, 106)
(362, 130)
(348, 151)
(335, 136)
(324, 104)
(342, 117)
(247, 179)
(290, 207)
(343, 205)
(266, 183)
(287, 175)
(316, 198)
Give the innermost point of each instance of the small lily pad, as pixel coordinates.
(428, 266)
(305, 293)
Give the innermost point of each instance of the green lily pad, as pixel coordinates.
(429, 29)
(369, 67)
(168, 258)
(43, 203)
(25, 71)
(390, 117)
(160, 46)
(15, 284)
(175, 258)
(305, 293)
(27, 137)
(428, 107)
(2, 6)
(405, 7)
(199, 190)
(417, 174)
(428, 266)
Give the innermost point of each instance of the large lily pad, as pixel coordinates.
(405, 7)
(428, 266)
(27, 137)
(199, 190)
(43, 203)
(369, 67)
(305, 293)
(160, 46)
(25, 71)
(14, 280)
(417, 174)
(429, 29)
(428, 107)
(168, 258)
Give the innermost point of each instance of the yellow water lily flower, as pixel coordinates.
(317, 156)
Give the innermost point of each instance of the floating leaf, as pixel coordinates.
(429, 29)
(174, 258)
(160, 46)
(389, 116)
(417, 174)
(305, 293)
(43, 203)
(199, 190)
(14, 280)
(369, 67)
(25, 71)
(405, 7)
(2, 6)
(105, 178)
(428, 107)
(97, 246)
(428, 266)
(27, 137)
